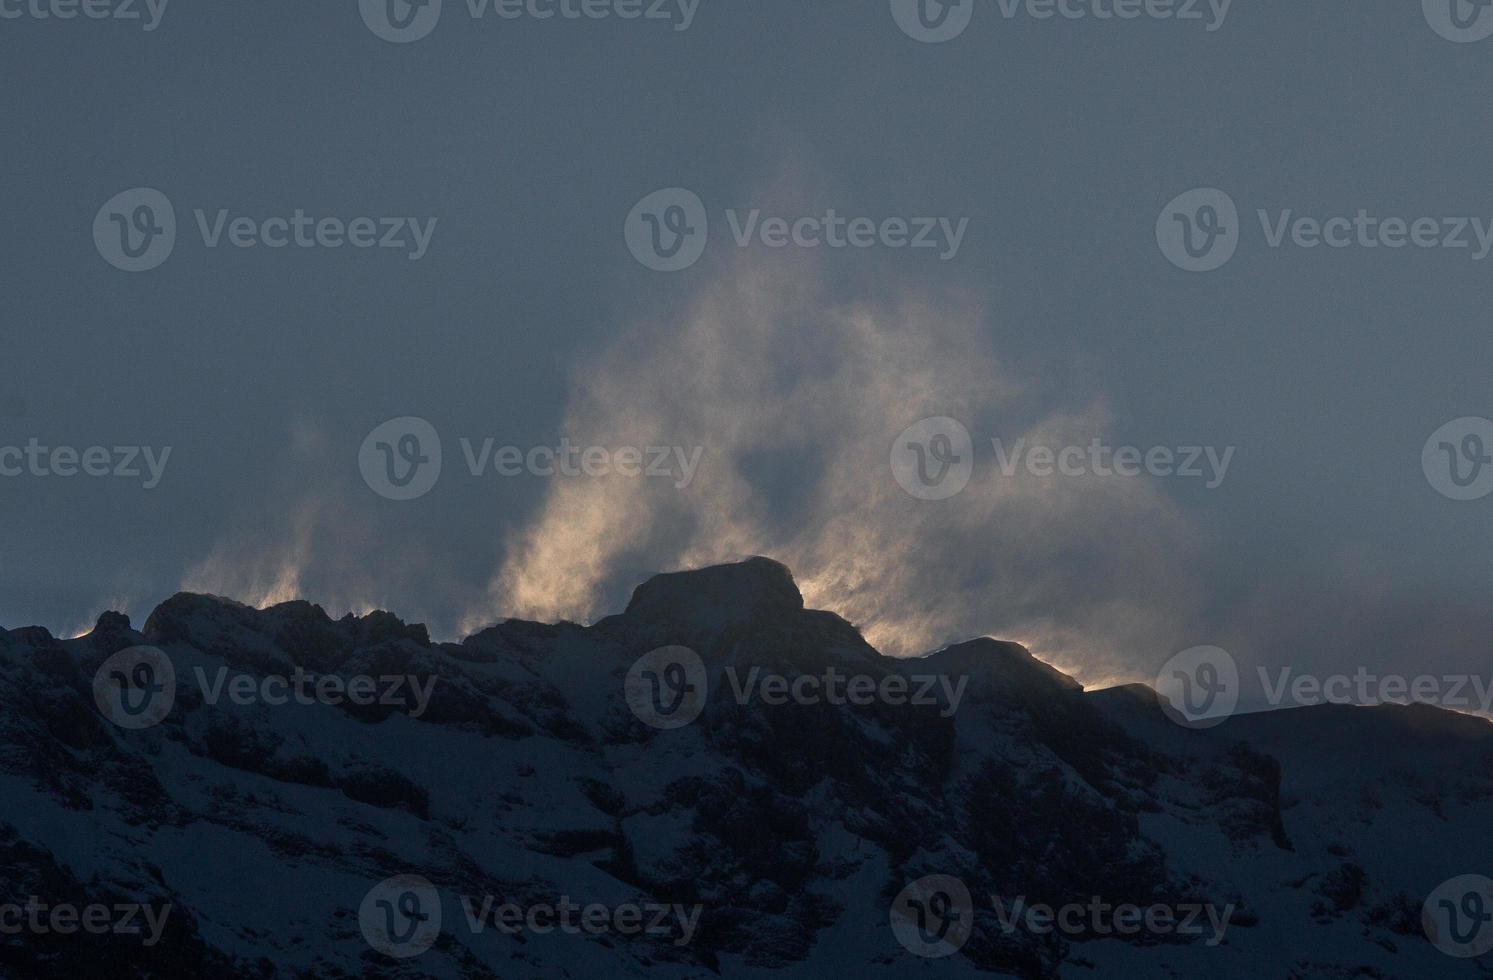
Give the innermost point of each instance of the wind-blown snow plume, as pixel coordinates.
(796, 401)
(315, 547)
(261, 575)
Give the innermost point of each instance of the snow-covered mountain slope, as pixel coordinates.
(524, 767)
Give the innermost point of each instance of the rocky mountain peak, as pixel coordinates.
(720, 595)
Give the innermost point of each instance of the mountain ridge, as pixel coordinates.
(530, 771)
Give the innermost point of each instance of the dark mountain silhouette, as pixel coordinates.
(527, 776)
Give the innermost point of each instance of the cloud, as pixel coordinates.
(257, 570)
(796, 399)
(302, 537)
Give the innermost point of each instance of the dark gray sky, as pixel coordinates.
(795, 369)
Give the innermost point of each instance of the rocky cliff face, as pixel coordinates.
(304, 764)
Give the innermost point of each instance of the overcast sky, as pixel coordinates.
(1053, 145)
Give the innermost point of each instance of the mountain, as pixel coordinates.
(342, 798)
